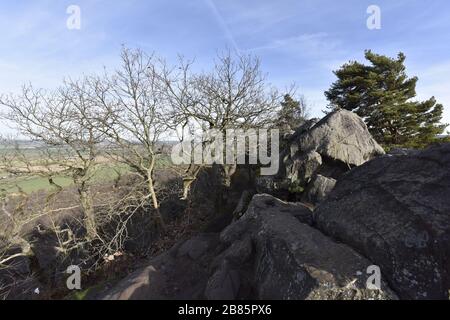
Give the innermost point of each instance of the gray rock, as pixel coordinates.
(173, 275)
(195, 247)
(330, 148)
(273, 206)
(243, 203)
(341, 136)
(318, 189)
(223, 284)
(295, 261)
(303, 166)
(396, 211)
(238, 252)
(267, 254)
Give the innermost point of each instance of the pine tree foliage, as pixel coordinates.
(292, 114)
(383, 95)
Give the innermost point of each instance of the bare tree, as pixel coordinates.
(234, 95)
(132, 116)
(61, 122)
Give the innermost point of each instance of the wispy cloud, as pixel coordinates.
(297, 41)
(308, 44)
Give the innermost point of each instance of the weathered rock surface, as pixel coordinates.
(341, 139)
(180, 273)
(243, 203)
(270, 253)
(341, 136)
(318, 189)
(329, 148)
(395, 210)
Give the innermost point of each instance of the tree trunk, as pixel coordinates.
(89, 214)
(187, 182)
(189, 178)
(155, 203)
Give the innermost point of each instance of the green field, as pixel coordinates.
(31, 184)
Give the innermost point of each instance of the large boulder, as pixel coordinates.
(292, 260)
(270, 253)
(395, 210)
(329, 148)
(340, 136)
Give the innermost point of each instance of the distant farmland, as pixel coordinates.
(29, 183)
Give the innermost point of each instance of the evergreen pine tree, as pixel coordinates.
(292, 114)
(382, 94)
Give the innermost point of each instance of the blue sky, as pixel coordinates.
(299, 41)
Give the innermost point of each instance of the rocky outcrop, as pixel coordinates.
(340, 136)
(332, 146)
(395, 210)
(180, 273)
(272, 252)
(329, 148)
(292, 260)
(318, 189)
(383, 217)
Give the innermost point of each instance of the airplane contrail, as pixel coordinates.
(223, 24)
